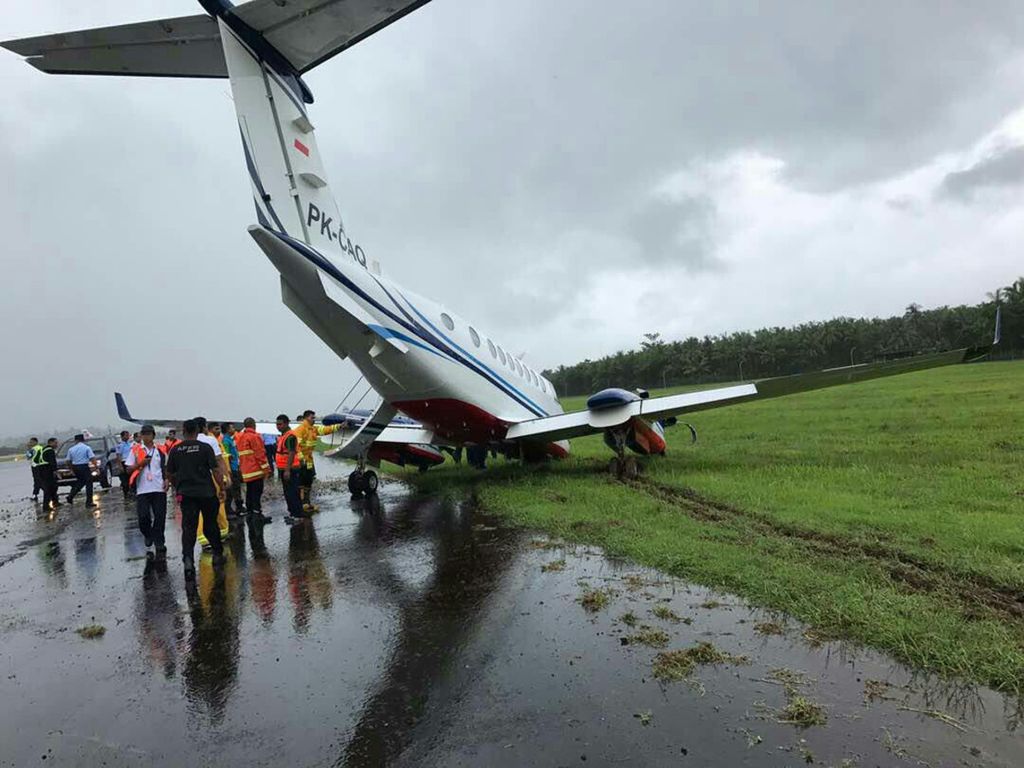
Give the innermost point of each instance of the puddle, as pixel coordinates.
(418, 632)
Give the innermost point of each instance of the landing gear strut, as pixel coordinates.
(622, 467)
(363, 481)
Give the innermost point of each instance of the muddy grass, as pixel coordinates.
(649, 636)
(679, 664)
(91, 631)
(594, 600)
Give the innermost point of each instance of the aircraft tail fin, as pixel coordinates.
(122, 407)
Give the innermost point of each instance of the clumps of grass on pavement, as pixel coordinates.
(649, 636)
(553, 567)
(628, 618)
(91, 631)
(679, 664)
(802, 712)
(665, 613)
(770, 628)
(594, 600)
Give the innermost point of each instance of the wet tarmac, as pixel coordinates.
(419, 632)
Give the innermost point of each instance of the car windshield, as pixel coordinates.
(96, 443)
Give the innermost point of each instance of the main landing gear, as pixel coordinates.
(363, 481)
(622, 467)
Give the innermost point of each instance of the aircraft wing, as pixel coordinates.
(586, 422)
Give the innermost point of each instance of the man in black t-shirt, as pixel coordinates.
(196, 474)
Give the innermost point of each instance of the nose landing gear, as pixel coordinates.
(621, 467)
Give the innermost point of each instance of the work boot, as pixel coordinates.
(161, 552)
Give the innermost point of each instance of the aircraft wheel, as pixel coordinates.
(355, 484)
(424, 467)
(370, 482)
(630, 468)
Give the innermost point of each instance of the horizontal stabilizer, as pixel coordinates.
(188, 46)
(308, 32)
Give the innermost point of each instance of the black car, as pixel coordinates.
(101, 466)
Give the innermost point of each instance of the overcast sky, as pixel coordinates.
(567, 175)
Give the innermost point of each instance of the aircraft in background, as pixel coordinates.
(458, 383)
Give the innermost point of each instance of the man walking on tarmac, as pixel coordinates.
(79, 457)
(146, 464)
(228, 432)
(170, 441)
(288, 458)
(124, 450)
(48, 474)
(196, 475)
(309, 434)
(253, 468)
(34, 454)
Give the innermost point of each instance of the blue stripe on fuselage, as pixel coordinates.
(323, 263)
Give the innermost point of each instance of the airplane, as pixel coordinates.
(424, 360)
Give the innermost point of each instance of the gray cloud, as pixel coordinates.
(489, 154)
(1004, 168)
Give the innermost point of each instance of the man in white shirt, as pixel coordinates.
(145, 464)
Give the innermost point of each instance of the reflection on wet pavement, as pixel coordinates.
(416, 631)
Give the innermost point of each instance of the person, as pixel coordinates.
(197, 477)
(34, 455)
(204, 436)
(170, 441)
(253, 468)
(270, 448)
(80, 456)
(227, 438)
(288, 458)
(48, 474)
(146, 463)
(309, 434)
(124, 450)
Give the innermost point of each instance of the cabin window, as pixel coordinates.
(501, 355)
(448, 322)
(534, 377)
(490, 346)
(474, 336)
(519, 368)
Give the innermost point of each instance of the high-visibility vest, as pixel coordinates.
(309, 436)
(169, 443)
(252, 456)
(37, 456)
(282, 451)
(139, 451)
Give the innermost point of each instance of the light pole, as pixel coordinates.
(852, 350)
(741, 369)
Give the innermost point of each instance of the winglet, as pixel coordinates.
(122, 407)
(999, 326)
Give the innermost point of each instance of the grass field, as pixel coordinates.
(888, 512)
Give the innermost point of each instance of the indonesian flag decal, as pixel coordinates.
(302, 147)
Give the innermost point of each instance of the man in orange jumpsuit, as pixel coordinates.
(253, 467)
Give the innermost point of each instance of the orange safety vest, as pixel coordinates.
(168, 445)
(139, 451)
(252, 456)
(282, 451)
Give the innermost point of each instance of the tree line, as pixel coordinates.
(805, 347)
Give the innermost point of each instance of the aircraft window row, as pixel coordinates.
(474, 336)
(448, 322)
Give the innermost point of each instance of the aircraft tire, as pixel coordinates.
(370, 482)
(355, 484)
(630, 468)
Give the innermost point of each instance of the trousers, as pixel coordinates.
(254, 495)
(37, 480)
(291, 493)
(48, 480)
(191, 507)
(152, 511)
(83, 478)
